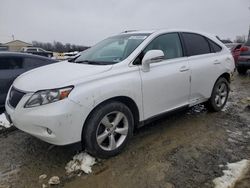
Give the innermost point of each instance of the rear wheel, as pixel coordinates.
(108, 129)
(219, 95)
(241, 70)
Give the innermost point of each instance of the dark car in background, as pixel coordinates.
(13, 64)
(37, 51)
(243, 63)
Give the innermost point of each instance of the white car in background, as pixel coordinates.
(118, 84)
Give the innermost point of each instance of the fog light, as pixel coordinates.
(49, 131)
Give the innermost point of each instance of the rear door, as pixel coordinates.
(205, 65)
(10, 68)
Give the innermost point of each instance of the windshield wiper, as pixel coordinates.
(92, 62)
(73, 59)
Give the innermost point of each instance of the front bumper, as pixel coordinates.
(64, 119)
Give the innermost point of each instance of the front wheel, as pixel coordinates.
(108, 129)
(219, 95)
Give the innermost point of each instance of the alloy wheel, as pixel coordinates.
(112, 130)
(221, 94)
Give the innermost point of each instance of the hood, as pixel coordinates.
(57, 75)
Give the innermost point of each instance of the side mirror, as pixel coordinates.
(152, 56)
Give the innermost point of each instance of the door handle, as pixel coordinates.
(184, 68)
(216, 62)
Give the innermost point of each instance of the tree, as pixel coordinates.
(240, 39)
(58, 46)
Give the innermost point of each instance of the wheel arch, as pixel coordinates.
(129, 102)
(225, 75)
(210, 103)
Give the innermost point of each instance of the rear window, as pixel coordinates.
(195, 44)
(7, 63)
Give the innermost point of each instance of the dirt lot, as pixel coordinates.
(181, 150)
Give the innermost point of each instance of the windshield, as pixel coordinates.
(111, 50)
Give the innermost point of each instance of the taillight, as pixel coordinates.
(244, 49)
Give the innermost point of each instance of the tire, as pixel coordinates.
(241, 70)
(219, 95)
(108, 129)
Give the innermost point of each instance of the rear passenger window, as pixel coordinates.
(214, 47)
(34, 62)
(195, 44)
(7, 63)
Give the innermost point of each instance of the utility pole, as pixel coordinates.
(248, 37)
(249, 34)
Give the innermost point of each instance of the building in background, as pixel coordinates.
(3, 47)
(16, 45)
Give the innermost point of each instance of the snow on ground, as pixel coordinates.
(3, 121)
(234, 173)
(227, 106)
(199, 108)
(81, 162)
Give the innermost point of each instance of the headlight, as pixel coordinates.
(48, 96)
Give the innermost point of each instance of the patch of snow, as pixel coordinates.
(42, 177)
(232, 140)
(55, 180)
(3, 121)
(81, 162)
(227, 106)
(234, 173)
(199, 108)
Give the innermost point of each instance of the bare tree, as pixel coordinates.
(240, 39)
(59, 47)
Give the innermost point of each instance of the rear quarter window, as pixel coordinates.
(214, 46)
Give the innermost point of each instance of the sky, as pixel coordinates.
(85, 22)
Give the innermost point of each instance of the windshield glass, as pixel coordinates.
(111, 50)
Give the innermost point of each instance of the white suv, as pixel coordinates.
(102, 95)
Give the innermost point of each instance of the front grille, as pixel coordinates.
(15, 96)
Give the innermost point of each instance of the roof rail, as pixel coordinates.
(128, 31)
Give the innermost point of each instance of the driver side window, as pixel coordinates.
(169, 43)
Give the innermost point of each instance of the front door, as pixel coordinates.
(167, 85)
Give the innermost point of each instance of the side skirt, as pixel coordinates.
(162, 115)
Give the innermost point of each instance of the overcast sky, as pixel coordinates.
(86, 22)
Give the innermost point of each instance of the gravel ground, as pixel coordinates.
(187, 149)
